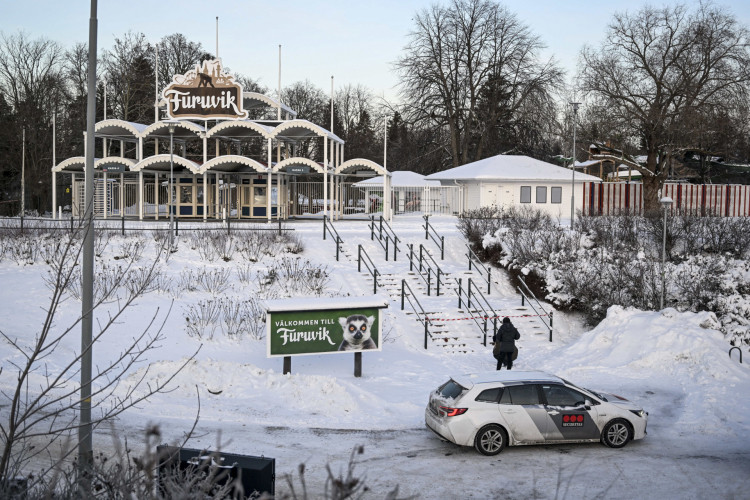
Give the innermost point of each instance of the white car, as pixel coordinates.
(491, 410)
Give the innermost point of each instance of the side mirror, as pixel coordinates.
(587, 404)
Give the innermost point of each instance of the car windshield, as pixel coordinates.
(450, 389)
(597, 394)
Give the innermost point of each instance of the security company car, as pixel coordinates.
(495, 409)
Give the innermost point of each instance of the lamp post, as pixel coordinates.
(573, 181)
(665, 202)
(171, 193)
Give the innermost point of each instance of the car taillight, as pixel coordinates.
(452, 412)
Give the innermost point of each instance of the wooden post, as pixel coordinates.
(357, 364)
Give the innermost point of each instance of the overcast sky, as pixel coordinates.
(354, 41)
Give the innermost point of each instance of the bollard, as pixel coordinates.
(123, 225)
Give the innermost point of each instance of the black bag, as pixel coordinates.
(515, 353)
(496, 350)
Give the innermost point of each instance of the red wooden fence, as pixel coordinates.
(611, 198)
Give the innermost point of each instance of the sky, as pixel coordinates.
(356, 42)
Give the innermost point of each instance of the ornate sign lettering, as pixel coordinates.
(204, 93)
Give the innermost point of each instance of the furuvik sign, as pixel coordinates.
(204, 93)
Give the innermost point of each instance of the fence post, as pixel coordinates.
(494, 330)
(324, 227)
(229, 224)
(460, 291)
(21, 223)
(395, 248)
(420, 257)
(338, 247)
(71, 224)
(386, 248)
(442, 248)
(426, 226)
(380, 229)
(550, 326)
(123, 225)
(438, 282)
(411, 257)
(359, 258)
(372, 228)
(426, 332)
(489, 279)
(177, 227)
(279, 219)
(375, 282)
(402, 294)
(429, 280)
(468, 295)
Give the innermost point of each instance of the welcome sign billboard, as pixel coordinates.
(323, 326)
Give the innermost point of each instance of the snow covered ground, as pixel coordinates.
(673, 364)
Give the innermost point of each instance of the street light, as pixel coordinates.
(573, 181)
(171, 193)
(665, 202)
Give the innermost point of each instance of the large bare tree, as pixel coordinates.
(471, 67)
(657, 66)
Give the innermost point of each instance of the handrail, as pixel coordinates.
(390, 235)
(478, 264)
(370, 267)
(730, 349)
(525, 298)
(482, 303)
(328, 225)
(426, 322)
(434, 235)
(430, 271)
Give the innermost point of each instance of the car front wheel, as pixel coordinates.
(490, 440)
(616, 434)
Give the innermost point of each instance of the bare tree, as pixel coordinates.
(129, 70)
(44, 401)
(656, 65)
(472, 67)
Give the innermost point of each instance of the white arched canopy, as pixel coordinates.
(73, 164)
(255, 100)
(233, 163)
(239, 128)
(114, 161)
(283, 166)
(351, 166)
(302, 129)
(184, 129)
(119, 129)
(162, 163)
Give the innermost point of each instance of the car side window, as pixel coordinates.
(490, 395)
(558, 395)
(526, 394)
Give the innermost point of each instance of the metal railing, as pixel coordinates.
(730, 349)
(425, 262)
(473, 298)
(417, 308)
(385, 235)
(126, 224)
(479, 266)
(527, 298)
(431, 233)
(328, 226)
(370, 266)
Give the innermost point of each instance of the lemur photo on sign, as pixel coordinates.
(323, 329)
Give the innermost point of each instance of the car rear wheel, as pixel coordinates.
(616, 434)
(490, 440)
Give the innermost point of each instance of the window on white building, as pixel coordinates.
(525, 194)
(556, 195)
(541, 194)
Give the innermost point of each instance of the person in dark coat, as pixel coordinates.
(506, 335)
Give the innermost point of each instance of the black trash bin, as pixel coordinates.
(256, 474)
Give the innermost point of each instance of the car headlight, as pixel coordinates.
(640, 413)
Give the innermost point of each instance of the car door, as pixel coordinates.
(523, 412)
(569, 417)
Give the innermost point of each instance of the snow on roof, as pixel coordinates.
(510, 167)
(587, 163)
(322, 304)
(399, 178)
(468, 380)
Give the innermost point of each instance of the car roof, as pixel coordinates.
(505, 376)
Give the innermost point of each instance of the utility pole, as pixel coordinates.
(573, 182)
